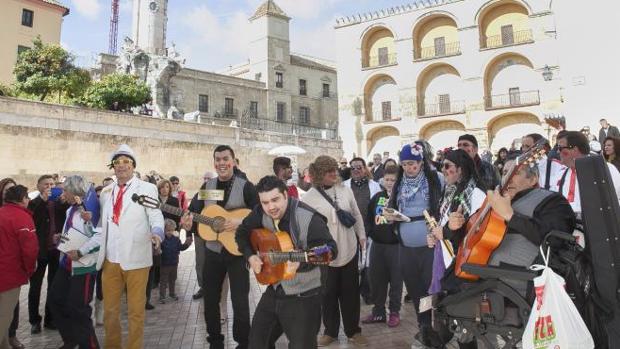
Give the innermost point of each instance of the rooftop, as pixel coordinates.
(392, 11)
(57, 3)
(269, 8)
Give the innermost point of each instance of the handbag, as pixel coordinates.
(345, 217)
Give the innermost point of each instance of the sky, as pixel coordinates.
(212, 34)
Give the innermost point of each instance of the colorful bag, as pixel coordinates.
(554, 322)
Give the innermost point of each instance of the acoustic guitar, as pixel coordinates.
(485, 228)
(276, 250)
(210, 221)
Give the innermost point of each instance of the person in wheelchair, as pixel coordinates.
(530, 213)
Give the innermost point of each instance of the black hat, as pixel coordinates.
(468, 137)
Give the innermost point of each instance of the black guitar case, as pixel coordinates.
(601, 218)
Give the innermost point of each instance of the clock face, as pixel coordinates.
(153, 6)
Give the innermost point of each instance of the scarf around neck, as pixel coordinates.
(451, 199)
(410, 186)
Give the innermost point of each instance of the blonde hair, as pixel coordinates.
(322, 165)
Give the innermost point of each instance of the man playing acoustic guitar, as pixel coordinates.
(291, 306)
(529, 213)
(230, 192)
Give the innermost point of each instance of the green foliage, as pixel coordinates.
(6, 91)
(48, 69)
(124, 89)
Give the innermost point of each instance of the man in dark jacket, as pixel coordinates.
(19, 253)
(289, 306)
(48, 215)
(487, 172)
(607, 131)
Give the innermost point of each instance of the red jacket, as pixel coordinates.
(19, 246)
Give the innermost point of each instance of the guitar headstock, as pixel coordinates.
(320, 255)
(145, 201)
(529, 158)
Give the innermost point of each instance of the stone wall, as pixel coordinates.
(38, 138)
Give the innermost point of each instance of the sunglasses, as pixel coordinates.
(122, 162)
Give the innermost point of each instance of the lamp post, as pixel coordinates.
(547, 73)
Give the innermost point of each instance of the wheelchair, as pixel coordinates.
(492, 310)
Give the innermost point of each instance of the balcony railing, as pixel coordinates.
(512, 100)
(226, 114)
(426, 110)
(438, 51)
(379, 117)
(288, 128)
(518, 37)
(380, 61)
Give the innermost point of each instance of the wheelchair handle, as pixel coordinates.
(560, 235)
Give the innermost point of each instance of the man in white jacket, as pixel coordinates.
(129, 232)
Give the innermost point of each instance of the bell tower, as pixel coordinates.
(150, 18)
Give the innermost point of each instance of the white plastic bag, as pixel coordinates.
(554, 322)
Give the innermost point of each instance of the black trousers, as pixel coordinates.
(384, 269)
(215, 268)
(342, 296)
(99, 286)
(14, 322)
(70, 303)
(36, 281)
(297, 316)
(417, 267)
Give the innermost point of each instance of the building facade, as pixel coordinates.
(21, 21)
(441, 68)
(274, 90)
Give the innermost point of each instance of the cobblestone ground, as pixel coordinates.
(181, 324)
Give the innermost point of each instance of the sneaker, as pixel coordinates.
(325, 340)
(162, 301)
(359, 340)
(394, 320)
(174, 297)
(373, 319)
(198, 294)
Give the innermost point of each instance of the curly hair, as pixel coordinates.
(322, 165)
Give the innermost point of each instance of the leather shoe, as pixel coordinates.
(36, 328)
(149, 306)
(198, 294)
(15, 343)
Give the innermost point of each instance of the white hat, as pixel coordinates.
(125, 150)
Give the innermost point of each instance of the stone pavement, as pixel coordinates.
(181, 324)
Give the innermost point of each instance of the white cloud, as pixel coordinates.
(88, 8)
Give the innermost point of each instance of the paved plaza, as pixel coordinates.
(181, 324)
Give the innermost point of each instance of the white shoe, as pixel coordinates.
(98, 313)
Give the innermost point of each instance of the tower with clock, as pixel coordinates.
(149, 25)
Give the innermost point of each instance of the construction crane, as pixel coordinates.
(113, 28)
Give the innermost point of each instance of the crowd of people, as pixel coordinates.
(370, 217)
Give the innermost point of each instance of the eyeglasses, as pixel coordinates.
(122, 162)
(560, 147)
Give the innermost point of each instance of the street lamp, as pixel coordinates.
(547, 73)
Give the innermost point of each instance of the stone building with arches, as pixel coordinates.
(437, 69)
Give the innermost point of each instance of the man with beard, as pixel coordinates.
(289, 306)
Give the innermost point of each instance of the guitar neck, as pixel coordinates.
(281, 257)
(177, 211)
